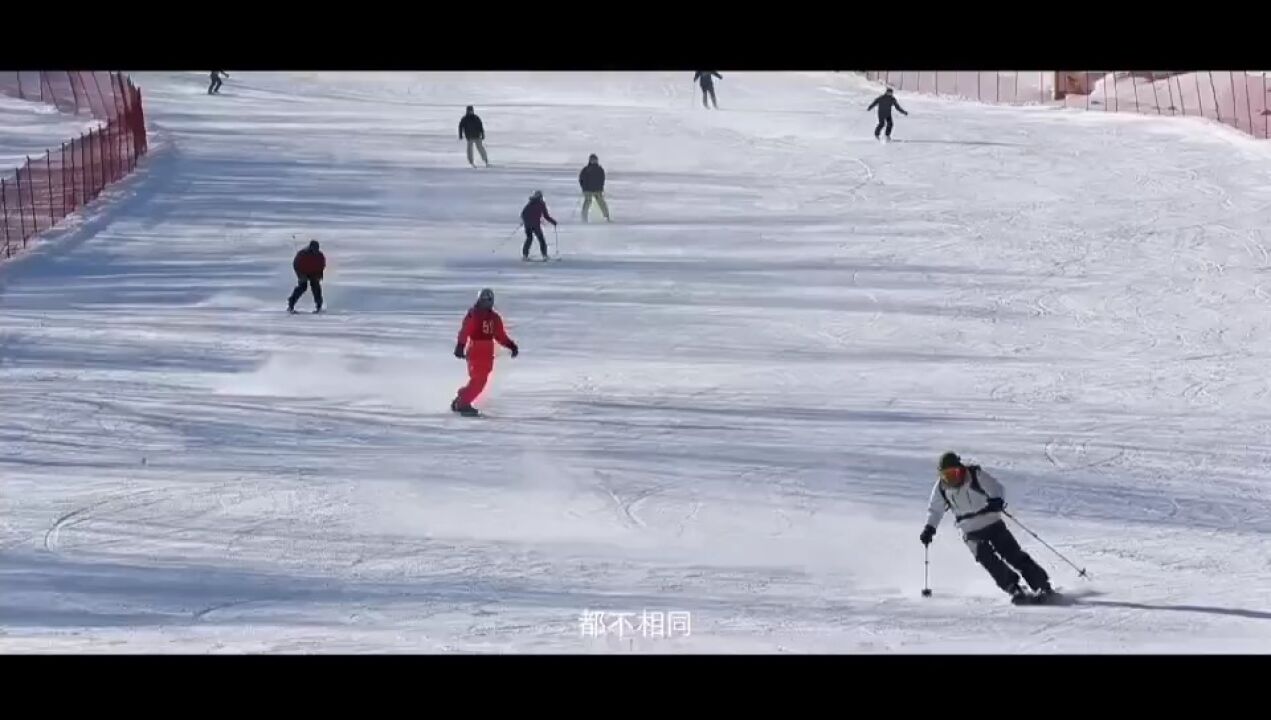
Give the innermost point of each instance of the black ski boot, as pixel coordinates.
(1019, 596)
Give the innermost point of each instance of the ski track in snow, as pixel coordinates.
(729, 401)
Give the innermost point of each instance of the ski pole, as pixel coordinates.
(926, 570)
(1080, 571)
(556, 235)
(504, 241)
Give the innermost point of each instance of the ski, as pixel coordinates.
(1052, 598)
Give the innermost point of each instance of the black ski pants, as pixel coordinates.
(884, 120)
(530, 232)
(709, 90)
(215, 87)
(994, 548)
(305, 281)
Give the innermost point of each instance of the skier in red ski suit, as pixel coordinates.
(482, 327)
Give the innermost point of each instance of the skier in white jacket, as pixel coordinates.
(977, 500)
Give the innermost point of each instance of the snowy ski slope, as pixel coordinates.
(29, 128)
(729, 402)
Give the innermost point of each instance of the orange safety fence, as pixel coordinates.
(1237, 98)
(47, 188)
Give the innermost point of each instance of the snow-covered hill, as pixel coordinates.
(729, 402)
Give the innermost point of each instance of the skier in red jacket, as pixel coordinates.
(482, 327)
(309, 265)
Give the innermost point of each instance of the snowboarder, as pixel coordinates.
(215, 87)
(885, 103)
(705, 78)
(532, 218)
(309, 266)
(976, 499)
(470, 127)
(481, 328)
(592, 181)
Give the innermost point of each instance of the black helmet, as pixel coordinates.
(485, 297)
(592, 157)
(469, 108)
(950, 460)
(313, 245)
(889, 91)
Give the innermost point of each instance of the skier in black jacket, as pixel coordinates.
(470, 127)
(885, 103)
(215, 87)
(706, 79)
(592, 181)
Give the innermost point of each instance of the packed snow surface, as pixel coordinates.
(728, 405)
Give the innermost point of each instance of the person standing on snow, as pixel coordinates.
(215, 87)
(705, 79)
(976, 499)
(592, 181)
(885, 103)
(309, 265)
(470, 127)
(481, 328)
(532, 217)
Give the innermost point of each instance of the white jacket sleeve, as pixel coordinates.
(991, 486)
(936, 507)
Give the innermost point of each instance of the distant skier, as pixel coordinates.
(705, 78)
(215, 87)
(976, 498)
(532, 217)
(482, 327)
(309, 266)
(592, 181)
(470, 127)
(885, 103)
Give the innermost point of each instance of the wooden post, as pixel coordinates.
(1248, 98)
(1213, 90)
(30, 193)
(83, 173)
(4, 211)
(21, 217)
(48, 167)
